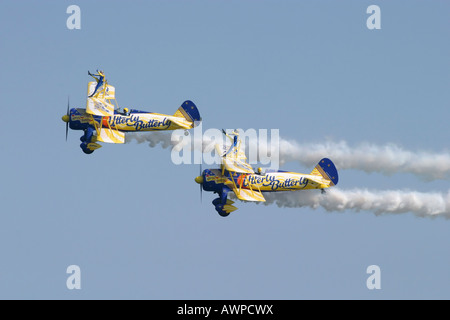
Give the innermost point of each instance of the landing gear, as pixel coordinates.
(84, 147)
(86, 139)
(219, 207)
(223, 205)
(222, 213)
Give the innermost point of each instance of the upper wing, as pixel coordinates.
(234, 159)
(99, 107)
(99, 104)
(106, 91)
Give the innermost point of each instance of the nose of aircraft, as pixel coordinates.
(199, 179)
(65, 118)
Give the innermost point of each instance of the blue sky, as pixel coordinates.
(133, 221)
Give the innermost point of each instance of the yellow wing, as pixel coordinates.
(233, 158)
(249, 195)
(182, 122)
(100, 104)
(234, 161)
(110, 136)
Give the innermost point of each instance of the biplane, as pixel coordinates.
(103, 121)
(238, 176)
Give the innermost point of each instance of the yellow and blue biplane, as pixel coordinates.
(103, 121)
(238, 176)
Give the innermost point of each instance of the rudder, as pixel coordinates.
(189, 111)
(327, 169)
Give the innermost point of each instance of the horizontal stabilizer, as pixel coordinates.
(182, 122)
(110, 136)
(325, 183)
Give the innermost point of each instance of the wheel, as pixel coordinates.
(223, 214)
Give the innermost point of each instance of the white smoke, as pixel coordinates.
(165, 140)
(379, 202)
(386, 159)
(154, 138)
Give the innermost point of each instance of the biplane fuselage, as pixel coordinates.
(112, 129)
(238, 177)
(268, 182)
(102, 122)
(134, 121)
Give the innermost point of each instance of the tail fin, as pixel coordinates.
(326, 169)
(189, 111)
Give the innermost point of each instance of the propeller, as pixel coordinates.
(201, 184)
(199, 180)
(67, 113)
(66, 117)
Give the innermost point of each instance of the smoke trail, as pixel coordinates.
(378, 202)
(387, 159)
(165, 139)
(154, 138)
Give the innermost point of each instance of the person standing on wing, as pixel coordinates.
(100, 80)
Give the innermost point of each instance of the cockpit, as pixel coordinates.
(124, 111)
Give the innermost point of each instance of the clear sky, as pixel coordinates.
(133, 221)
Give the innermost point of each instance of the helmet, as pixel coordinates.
(125, 110)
